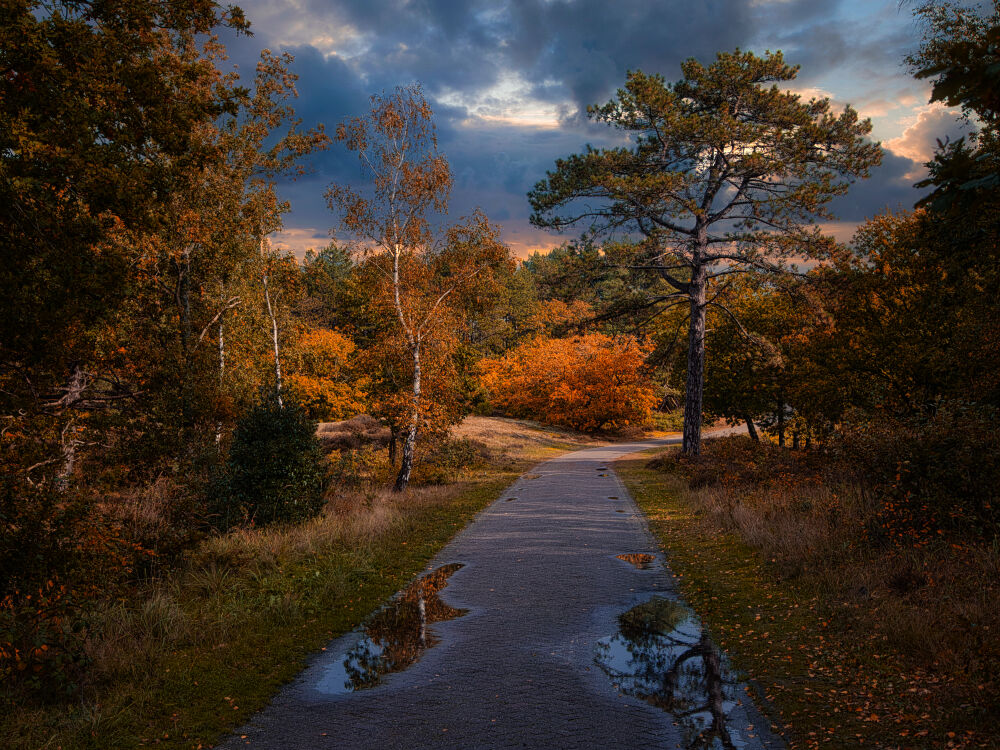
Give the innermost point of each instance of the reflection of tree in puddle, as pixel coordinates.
(641, 560)
(662, 655)
(396, 635)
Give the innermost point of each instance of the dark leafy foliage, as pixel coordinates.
(929, 476)
(276, 470)
(50, 542)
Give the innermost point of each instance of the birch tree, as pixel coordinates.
(396, 143)
(722, 174)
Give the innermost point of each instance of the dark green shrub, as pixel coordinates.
(276, 470)
(932, 474)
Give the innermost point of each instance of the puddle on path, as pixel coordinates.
(663, 655)
(395, 636)
(641, 560)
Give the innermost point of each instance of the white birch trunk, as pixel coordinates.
(274, 329)
(410, 444)
(70, 433)
(274, 339)
(413, 341)
(222, 378)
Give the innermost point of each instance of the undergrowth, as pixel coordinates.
(194, 648)
(857, 642)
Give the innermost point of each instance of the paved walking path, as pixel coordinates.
(542, 585)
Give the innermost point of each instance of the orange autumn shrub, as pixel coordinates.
(588, 383)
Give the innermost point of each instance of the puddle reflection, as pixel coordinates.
(641, 560)
(662, 655)
(395, 636)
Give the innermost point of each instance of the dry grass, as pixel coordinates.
(521, 439)
(935, 604)
(353, 517)
(353, 433)
(900, 645)
(237, 564)
(240, 612)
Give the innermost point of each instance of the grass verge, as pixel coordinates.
(195, 653)
(840, 658)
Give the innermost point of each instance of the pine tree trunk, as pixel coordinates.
(409, 445)
(691, 445)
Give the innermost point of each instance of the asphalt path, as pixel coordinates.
(543, 587)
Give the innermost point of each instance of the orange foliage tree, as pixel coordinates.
(591, 382)
(555, 315)
(321, 375)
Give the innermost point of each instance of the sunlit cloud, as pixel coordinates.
(509, 102)
(841, 231)
(524, 119)
(524, 242)
(298, 240)
(807, 93)
(923, 129)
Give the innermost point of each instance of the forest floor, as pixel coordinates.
(851, 645)
(199, 649)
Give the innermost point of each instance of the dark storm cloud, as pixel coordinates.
(850, 47)
(581, 48)
(590, 44)
(890, 187)
(565, 54)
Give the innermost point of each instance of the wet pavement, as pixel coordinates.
(395, 636)
(543, 638)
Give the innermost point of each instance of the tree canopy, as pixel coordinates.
(724, 173)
